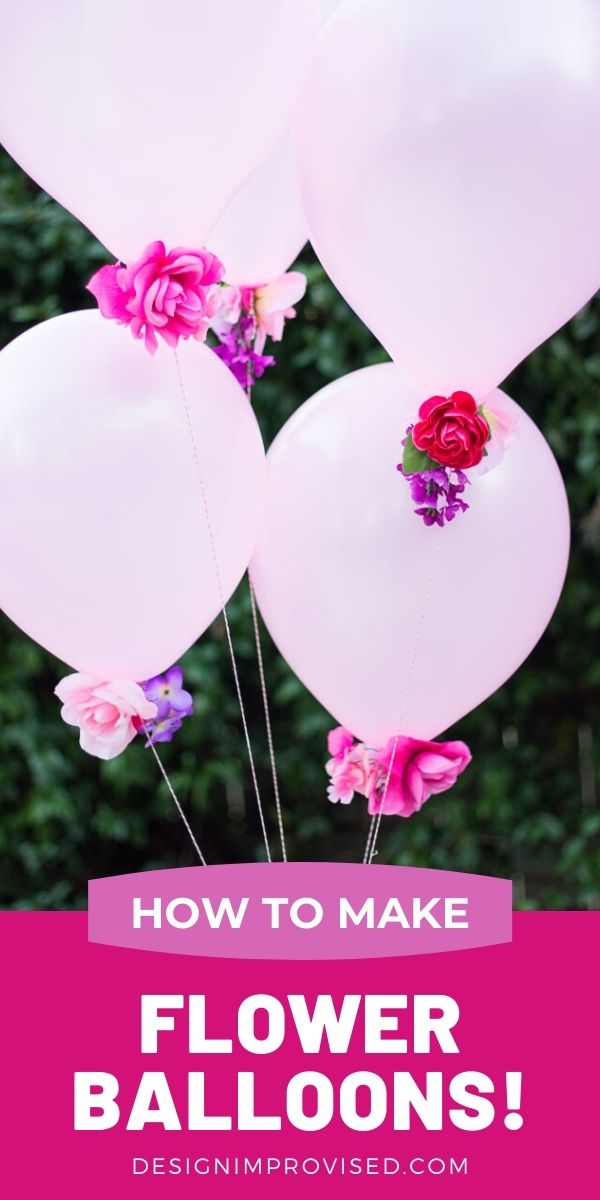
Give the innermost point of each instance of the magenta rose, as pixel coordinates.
(419, 770)
(452, 431)
(170, 294)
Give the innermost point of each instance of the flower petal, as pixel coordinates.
(281, 293)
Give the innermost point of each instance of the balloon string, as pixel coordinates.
(376, 820)
(173, 795)
(265, 698)
(223, 605)
(373, 834)
(258, 644)
(368, 845)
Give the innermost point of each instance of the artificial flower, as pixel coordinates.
(171, 294)
(172, 704)
(418, 770)
(351, 769)
(246, 316)
(438, 494)
(504, 423)
(108, 714)
(162, 728)
(236, 350)
(273, 306)
(339, 741)
(167, 692)
(451, 431)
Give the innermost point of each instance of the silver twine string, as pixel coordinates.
(173, 796)
(265, 698)
(259, 654)
(215, 560)
(373, 834)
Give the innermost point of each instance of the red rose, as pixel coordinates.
(451, 430)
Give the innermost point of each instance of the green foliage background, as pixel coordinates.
(528, 806)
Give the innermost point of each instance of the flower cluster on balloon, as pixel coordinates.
(397, 779)
(175, 295)
(452, 435)
(109, 714)
(247, 316)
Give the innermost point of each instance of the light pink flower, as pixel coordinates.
(234, 301)
(504, 424)
(172, 294)
(351, 768)
(419, 770)
(273, 306)
(108, 715)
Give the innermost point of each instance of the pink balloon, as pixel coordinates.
(144, 120)
(327, 7)
(263, 228)
(396, 627)
(106, 558)
(451, 179)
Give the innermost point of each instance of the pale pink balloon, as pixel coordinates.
(144, 119)
(327, 7)
(395, 627)
(105, 555)
(263, 228)
(451, 177)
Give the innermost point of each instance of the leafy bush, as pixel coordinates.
(528, 806)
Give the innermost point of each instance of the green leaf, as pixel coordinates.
(414, 461)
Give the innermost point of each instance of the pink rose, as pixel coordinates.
(171, 294)
(351, 769)
(339, 741)
(420, 770)
(108, 715)
(273, 305)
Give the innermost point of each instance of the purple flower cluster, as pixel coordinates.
(236, 350)
(173, 704)
(437, 493)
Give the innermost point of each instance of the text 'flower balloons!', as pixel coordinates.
(451, 176)
(105, 550)
(395, 627)
(144, 120)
